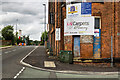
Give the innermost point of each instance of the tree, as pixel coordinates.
(44, 37)
(28, 40)
(7, 33)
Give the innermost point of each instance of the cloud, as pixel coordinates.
(22, 8)
(10, 18)
(25, 1)
(30, 16)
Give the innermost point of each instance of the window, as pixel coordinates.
(97, 23)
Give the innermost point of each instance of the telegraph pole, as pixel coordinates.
(16, 26)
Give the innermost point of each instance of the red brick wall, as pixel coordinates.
(118, 28)
(68, 43)
(62, 28)
(106, 11)
(86, 50)
(109, 19)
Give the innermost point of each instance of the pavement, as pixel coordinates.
(31, 74)
(37, 58)
(6, 47)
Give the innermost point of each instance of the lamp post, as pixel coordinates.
(44, 24)
(16, 26)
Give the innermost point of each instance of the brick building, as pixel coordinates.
(107, 19)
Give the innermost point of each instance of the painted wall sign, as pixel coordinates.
(57, 33)
(76, 46)
(86, 8)
(97, 46)
(79, 26)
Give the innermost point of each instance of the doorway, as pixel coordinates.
(76, 46)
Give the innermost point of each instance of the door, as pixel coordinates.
(77, 46)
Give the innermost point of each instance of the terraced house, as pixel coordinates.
(91, 30)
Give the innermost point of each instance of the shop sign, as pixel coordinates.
(73, 10)
(86, 8)
(96, 32)
(78, 9)
(57, 33)
(79, 26)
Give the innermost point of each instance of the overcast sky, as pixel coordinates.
(30, 15)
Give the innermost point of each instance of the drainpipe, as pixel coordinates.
(114, 28)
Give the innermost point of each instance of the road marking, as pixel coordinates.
(6, 52)
(19, 72)
(49, 64)
(9, 51)
(14, 50)
(28, 54)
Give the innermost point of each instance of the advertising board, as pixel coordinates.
(78, 9)
(73, 10)
(86, 8)
(79, 26)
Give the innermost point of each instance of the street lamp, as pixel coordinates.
(44, 23)
(16, 26)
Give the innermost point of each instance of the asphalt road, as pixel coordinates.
(11, 60)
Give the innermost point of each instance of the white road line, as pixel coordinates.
(14, 50)
(28, 54)
(6, 52)
(9, 51)
(19, 72)
(22, 61)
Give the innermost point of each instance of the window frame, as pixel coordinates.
(100, 21)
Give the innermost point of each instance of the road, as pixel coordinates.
(11, 60)
(11, 67)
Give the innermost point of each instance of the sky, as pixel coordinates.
(28, 15)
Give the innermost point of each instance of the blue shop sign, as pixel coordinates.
(86, 8)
